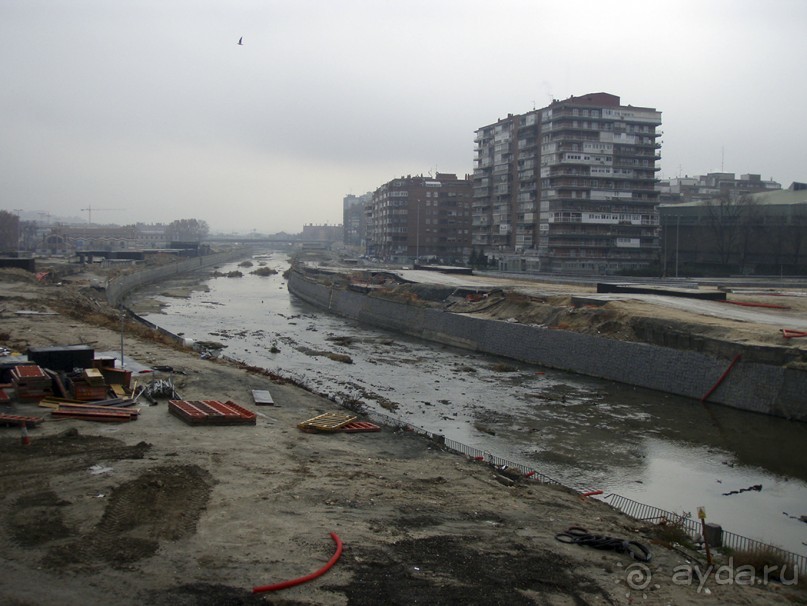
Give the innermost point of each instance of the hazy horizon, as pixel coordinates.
(153, 111)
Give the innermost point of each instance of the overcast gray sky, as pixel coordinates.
(151, 108)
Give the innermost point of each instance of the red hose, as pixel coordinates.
(721, 379)
(309, 577)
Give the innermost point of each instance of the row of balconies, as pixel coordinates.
(576, 130)
(601, 194)
(607, 243)
(578, 229)
(605, 254)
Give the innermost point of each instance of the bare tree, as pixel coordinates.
(187, 230)
(751, 224)
(729, 222)
(799, 222)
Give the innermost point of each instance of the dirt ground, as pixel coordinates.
(155, 511)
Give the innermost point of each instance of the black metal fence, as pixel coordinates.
(631, 508)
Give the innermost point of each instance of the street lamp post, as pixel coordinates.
(677, 230)
(417, 230)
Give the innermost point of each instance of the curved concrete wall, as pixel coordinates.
(118, 288)
(750, 386)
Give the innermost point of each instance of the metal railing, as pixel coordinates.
(735, 542)
(634, 509)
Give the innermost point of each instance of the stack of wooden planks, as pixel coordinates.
(116, 410)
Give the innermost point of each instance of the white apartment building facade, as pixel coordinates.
(569, 188)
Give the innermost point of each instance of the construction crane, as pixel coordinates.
(89, 210)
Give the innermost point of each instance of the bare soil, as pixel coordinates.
(155, 511)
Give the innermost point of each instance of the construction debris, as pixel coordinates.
(360, 426)
(8, 420)
(211, 412)
(96, 414)
(329, 421)
(262, 397)
(161, 388)
(97, 391)
(30, 382)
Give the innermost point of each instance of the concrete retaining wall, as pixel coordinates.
(118, 288)
(767, 389)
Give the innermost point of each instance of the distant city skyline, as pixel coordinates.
(155, 110)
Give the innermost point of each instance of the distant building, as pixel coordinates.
(322, 233)
(712, 185)
(761, 233)
(353, 218)
(68, 240)
(421, 217)
(569, 187)
(10, 233)
(63, 239)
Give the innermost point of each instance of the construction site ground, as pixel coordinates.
(156, 511)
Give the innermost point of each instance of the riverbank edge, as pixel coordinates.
(628, 507)
(751, 386)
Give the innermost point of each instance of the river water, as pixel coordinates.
(662, 450)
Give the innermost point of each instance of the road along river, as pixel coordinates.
(670, 452)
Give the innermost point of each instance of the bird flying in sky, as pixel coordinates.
(241, 41)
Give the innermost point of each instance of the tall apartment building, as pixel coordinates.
(415, 217)
(353, 218)
(569, 187)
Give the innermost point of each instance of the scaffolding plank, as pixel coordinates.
(329, 421)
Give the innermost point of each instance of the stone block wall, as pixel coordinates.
(117, 288)
(757, 387)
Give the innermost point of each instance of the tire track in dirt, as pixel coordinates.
(162, 504)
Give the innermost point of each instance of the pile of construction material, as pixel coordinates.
(211, 412)
(72, 383)
(30, 383)
(93, 394)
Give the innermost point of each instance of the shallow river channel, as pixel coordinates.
(666, 451)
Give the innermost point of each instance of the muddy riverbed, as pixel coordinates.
(666, 451)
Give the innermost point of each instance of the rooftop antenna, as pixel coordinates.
(722, 157)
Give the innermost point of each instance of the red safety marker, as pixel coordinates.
(26, 441)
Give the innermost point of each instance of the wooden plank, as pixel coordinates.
(118, 390)
(130, 411)
(329, 421)
(86, 415)
(94, 377)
